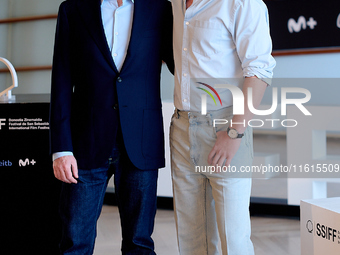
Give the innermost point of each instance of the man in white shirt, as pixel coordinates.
(215, 42)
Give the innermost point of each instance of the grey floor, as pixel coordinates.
(271, 236)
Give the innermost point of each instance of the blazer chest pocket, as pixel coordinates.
(207, 37)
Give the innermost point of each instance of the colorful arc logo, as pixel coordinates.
(209, 93)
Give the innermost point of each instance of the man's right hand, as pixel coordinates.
(65, 169)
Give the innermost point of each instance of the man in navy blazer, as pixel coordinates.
(106, 119)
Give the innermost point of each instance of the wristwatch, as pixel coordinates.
(233, 134)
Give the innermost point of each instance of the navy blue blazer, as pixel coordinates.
(90, 98)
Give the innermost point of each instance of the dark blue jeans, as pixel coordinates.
(81, 204)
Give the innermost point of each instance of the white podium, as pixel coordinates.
(320, 226)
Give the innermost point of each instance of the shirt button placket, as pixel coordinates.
(185, 68)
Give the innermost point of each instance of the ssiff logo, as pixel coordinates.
(2, 122)
(309, 226)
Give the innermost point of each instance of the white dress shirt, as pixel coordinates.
(216, 42)
(117, 22)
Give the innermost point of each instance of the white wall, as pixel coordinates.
(28, 43)
(3, 41)
(31, 44)
(318, 73)
(294, 66)
(308, 66)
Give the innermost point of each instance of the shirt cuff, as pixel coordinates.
(61, 154)
(259, 73)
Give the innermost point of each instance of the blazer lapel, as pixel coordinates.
(142, 13)
(91, 14)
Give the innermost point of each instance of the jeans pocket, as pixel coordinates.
(173, 117)
(222, 127)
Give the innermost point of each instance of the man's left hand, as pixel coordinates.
(225, 148)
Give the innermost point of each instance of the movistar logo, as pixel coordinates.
(301, 23)
(209, 93)
(27, 162)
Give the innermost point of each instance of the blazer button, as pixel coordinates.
(115, 107)
(119, 79)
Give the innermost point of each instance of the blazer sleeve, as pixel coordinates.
(61, 90)
(167, 37)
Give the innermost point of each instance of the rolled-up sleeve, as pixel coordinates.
(252, 39)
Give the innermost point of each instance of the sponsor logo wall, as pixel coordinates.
(302, 24)
(28, 188)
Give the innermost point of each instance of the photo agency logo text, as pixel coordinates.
(239, 102)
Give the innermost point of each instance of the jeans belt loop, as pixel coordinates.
(209, 116)
(177, 113)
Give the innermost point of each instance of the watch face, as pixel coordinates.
(233, 133)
